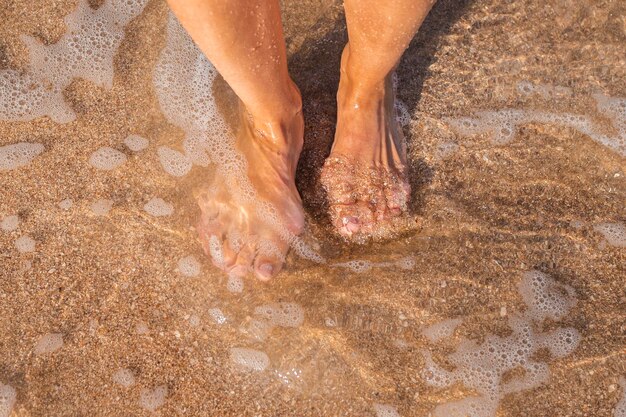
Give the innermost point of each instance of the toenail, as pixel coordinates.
(350, 219)
(351, 224)
(266, 270)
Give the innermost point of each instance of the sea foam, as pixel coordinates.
(48, 343)
(502, 125)
(10, 222)
(7, 399)
(482, 367)
(250, 359)
(151, 399)
(85, 50)
(18, 154)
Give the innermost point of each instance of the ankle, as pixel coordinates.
(279, 126)
(357, 86)
(284, 105)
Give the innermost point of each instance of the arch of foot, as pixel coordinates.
(482, 367)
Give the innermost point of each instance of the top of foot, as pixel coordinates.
(248, 219)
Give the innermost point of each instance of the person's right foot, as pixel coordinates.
(246, 233)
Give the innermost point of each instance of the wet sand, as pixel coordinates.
(483, 214)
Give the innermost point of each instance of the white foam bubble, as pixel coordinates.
(281, 314)
(482, 367)
(136, 143)
(101, 207)
(25, 244)
(48, 343)
(215, 250)
(8, 396)
(189, 266)
(106, 158)
(614, 233)
(445, 149)
(141, 328)
(18, 154)
(234, 284)
(407, 263)
(620, 407)
(385, 410)
(501, 125)
(158, 207)
(151, 399)
(66, 204)
(544, 297)
(194, 320)
(257, 328)
(217, 315)
(174, 162)
(402, 113)
(249, 358)
(441, 330)
(358, 265)
(269, 316)
(10, 223)
(124, 377)
(92, 34)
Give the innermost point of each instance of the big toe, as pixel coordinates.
(270, 258)
(350, 219)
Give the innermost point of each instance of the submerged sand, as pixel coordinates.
(110, 299)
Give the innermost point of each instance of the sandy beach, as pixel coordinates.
(99, 317)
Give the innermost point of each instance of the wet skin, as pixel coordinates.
(365, 176)
(250, 242)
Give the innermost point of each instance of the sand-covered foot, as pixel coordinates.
(245, 232)
(365, 176)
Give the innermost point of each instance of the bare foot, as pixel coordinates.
(365, 176)
(249, 233)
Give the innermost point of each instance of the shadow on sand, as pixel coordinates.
(315, 69)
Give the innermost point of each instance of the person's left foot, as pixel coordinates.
(365, 176)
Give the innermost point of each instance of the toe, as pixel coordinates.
(352, 218)
(229, 255)
(245, 259)
(270, 258)
(344, 220)
(378, 202)
(213, 246)
(397, 195)
(266, 269)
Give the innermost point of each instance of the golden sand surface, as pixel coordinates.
(484, 214)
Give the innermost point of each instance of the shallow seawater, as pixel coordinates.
(505, 297)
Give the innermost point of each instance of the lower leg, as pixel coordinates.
(243, 39)
(365, 177)
(379, 32)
